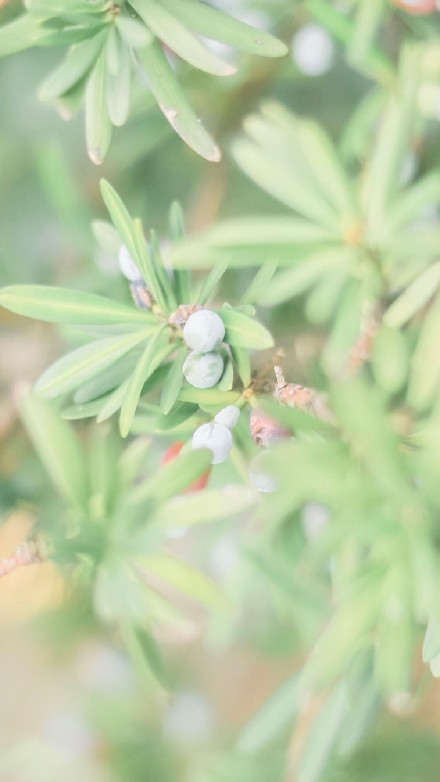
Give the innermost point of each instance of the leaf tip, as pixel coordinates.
(95, 156)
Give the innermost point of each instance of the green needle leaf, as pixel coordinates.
(414, 297)
(120, 218)
(174, 105)
(179, 39)
(57, 448)
(173, 382)
(82, 364)
(22, 33)
(99, 128)
(61, 305)
(245, 332)
(150, 359)
(214, 24)
(77, 63)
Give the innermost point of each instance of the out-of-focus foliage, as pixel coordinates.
(293, 634)
(110, 42)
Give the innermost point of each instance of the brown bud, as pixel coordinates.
(141, 295)
(266, 431)
(302, 397)
(181, 315)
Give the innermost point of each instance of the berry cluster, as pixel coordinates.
(216, 435)
(204, 332)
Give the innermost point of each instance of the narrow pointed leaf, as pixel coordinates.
(150, 359)
(120, 217)
(99, 128)
(57, 447)
(210, 283)
(77, 63)
(80, 365)
(167, 27)
(174, 105)
(212, 23)
(242, 362)
(62, 305)
(245, 332)
(113, 403)
(173, 382)
(414, 297)
(118, 88)
(273, 718)
(209, 396)
(185, 578)
(206, 507)
(260, 282)
(134, 32)
(20, 34)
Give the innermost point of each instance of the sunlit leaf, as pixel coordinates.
(245, 332)
(179, 39)
(62, 305)
(212, 23)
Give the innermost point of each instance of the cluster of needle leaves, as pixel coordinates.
(112, 43)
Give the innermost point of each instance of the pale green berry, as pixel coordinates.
(203, 370)
(204, 331)
(228, 416)
(215, 437)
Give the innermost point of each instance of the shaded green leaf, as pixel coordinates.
(77, 63)
(80, 365)
(99, 128)
(209, 396)
(174, 105)
(414, 297)
(153, 355)
(57, 448)
(173, 382)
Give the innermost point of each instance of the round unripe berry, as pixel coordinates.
(228, 416)
(204, 331)
(215, 437)
(203, 370)
(128, 266)
(260, 474)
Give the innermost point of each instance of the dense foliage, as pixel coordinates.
(241, 434)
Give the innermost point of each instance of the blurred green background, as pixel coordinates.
(71, 703)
